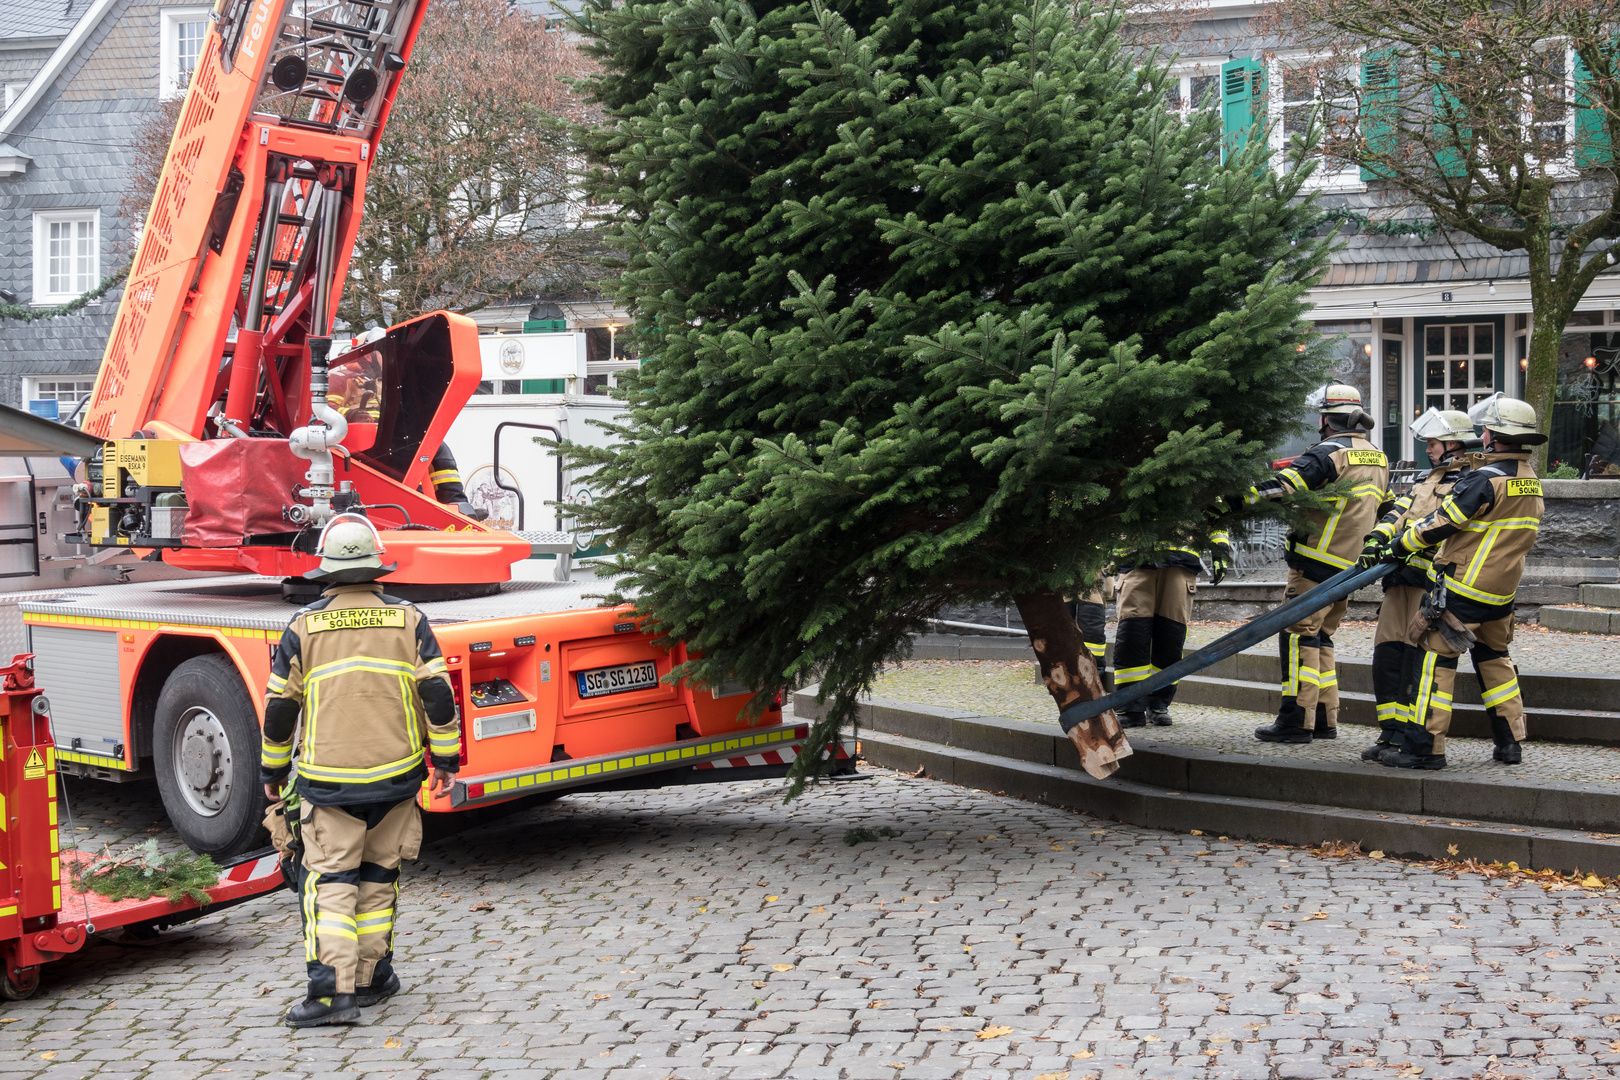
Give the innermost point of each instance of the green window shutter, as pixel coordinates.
(1592, 146)
(1453, 139)
(1243, 97)
(1378, 109)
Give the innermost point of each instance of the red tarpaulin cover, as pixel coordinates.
(235, 488)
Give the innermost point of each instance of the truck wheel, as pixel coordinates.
(205, 750)
(26, 986)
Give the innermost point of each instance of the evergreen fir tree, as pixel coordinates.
(939, 305)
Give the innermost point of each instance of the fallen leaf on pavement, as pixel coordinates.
(1451, 849)
(391, 1043)
(482, 905)
(49, 1055)
(781, 967)
(1593, 882)
(1375, 854)
(993, 1032)
(1064, 1075)
(1083, 1054)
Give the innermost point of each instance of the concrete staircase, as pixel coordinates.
(1542, 824)
(1560, 706)
(1598, 613)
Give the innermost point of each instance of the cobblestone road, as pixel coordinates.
(711, 933)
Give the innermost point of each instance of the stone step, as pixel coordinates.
(1537, 824)
(1602, 596)
(1581, 620)
(1405, 835)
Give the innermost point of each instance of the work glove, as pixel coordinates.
(1398, 551)
(1374, 551)
(1219, 563)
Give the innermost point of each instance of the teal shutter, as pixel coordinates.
(1453, 139)
(1593, 148)
(1243, 96)
(1378, 110)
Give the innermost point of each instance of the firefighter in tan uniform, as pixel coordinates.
(1483, 529)
(363, 672)
(1155, 606)
(1332, 542)
(1449, 435)
(1090, 614)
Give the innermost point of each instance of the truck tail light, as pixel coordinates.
(461, 712)
(475, 791)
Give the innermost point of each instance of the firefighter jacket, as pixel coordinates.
(1168, 555)
(365, 672)
(1484, 530)
(445, 477)
(1333, 537)
(1425, 496)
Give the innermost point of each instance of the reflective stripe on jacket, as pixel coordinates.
(1417, 504)
(362, 676)
(1333, 537)
(1486, 527)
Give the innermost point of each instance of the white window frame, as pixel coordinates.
(1564, 164)
(1182, 76)
(1346, 179)
(14, 91)
(43, 220)
(170, 84)
(31, 391)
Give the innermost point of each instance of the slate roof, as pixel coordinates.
(39, 18)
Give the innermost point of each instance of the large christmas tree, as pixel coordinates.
(939, 304)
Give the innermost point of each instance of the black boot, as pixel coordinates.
(1403, 759)
(1324, 732)
(1289, 727)
(1159, 717)
(367, 996)
(1376, 751)
(1509, 754)
(313, 1012)
(1132, 719)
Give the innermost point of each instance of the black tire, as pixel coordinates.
(205, 751)
(20, 991)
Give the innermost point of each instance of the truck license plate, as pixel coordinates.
(617, 680)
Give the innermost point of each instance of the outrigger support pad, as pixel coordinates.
(1331, 591)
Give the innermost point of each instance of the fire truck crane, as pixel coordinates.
(226, 434)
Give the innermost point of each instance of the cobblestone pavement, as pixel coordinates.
(1534, 648)
(1009, 688)
(710, 932)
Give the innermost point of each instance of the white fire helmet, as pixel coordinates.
(1334, 398)
(1447, 425)
(350, 550)
(1507, 416)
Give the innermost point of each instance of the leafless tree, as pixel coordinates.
(1490, 118)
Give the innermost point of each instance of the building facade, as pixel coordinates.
(80, 77)
(1440, 320)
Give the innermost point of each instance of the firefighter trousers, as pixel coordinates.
(1423, 731)
(1310, 674)
(1155, 606)
(349, 890)
(1395, 660)
(1090, 614)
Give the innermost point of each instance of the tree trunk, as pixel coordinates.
(1071, 675)
(1541, 376)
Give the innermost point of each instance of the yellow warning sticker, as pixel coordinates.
(34, 767)
(355, 618)
(1367, 457)
(1524, 487)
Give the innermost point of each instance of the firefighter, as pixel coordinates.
(1483, 529)
(1090, 614)
(364, 672)
(447, 487)
(1332, 542)
(1449, 435)
(1155, 605)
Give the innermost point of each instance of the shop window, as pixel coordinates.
(1459, 364)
